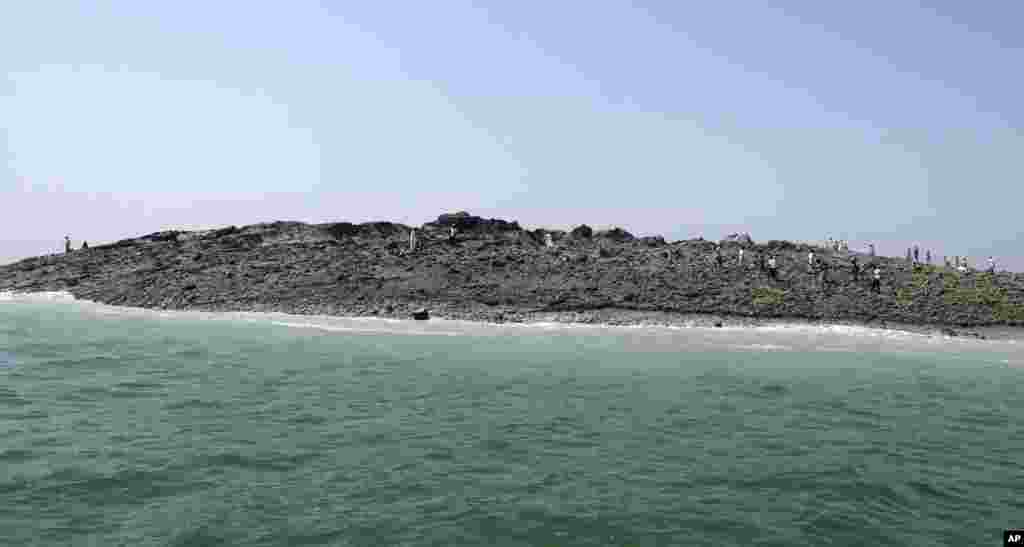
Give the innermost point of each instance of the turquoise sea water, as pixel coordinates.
(131, 427)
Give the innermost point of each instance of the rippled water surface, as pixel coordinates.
(127, 427)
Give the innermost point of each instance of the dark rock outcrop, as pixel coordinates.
(653, 241)
(465, 222)
(615, 234)
(582, 232)
(500, 272)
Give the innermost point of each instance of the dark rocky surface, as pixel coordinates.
(497, 271)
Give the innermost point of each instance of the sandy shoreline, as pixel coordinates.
(607, 317)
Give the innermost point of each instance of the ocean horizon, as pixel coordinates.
(129, 426)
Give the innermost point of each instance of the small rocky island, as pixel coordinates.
(494, 270)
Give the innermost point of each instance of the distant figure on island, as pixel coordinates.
(810, 261)
(548, 242)
(773, 268)
(928, 256)
(876, 280)
(451, 234)
(67, 244)
(871, 249)
(85, 244)
(412, 240)
(917, 254)
(762, 264)
(855, 269)
(739, 258)
(991, 265)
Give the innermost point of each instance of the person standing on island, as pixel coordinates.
(991, 265)
(548, 242)
(855, 269)
(412, 240)
(917, 254)
(876, 280)
(739, 257)
(451, 234)
(871, 249)
(928, 256)
(67, 244)
(773, 268)
(810, 261)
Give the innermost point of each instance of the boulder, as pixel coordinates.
(340, 230)
(616, 234)
(169, 235)
(582, 232)
(463, 222)
(455, 219)
(382, 229)
(344, 230)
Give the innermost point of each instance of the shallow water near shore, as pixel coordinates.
(136, 427)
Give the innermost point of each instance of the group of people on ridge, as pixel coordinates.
(768, 262)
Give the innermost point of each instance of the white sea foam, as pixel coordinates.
(762, 347)
(770, 337)
(342, 328)
(42, 296)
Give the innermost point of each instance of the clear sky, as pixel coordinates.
(888, 121)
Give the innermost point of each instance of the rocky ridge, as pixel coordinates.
(497, 271)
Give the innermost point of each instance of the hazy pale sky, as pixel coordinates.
(888, 121)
